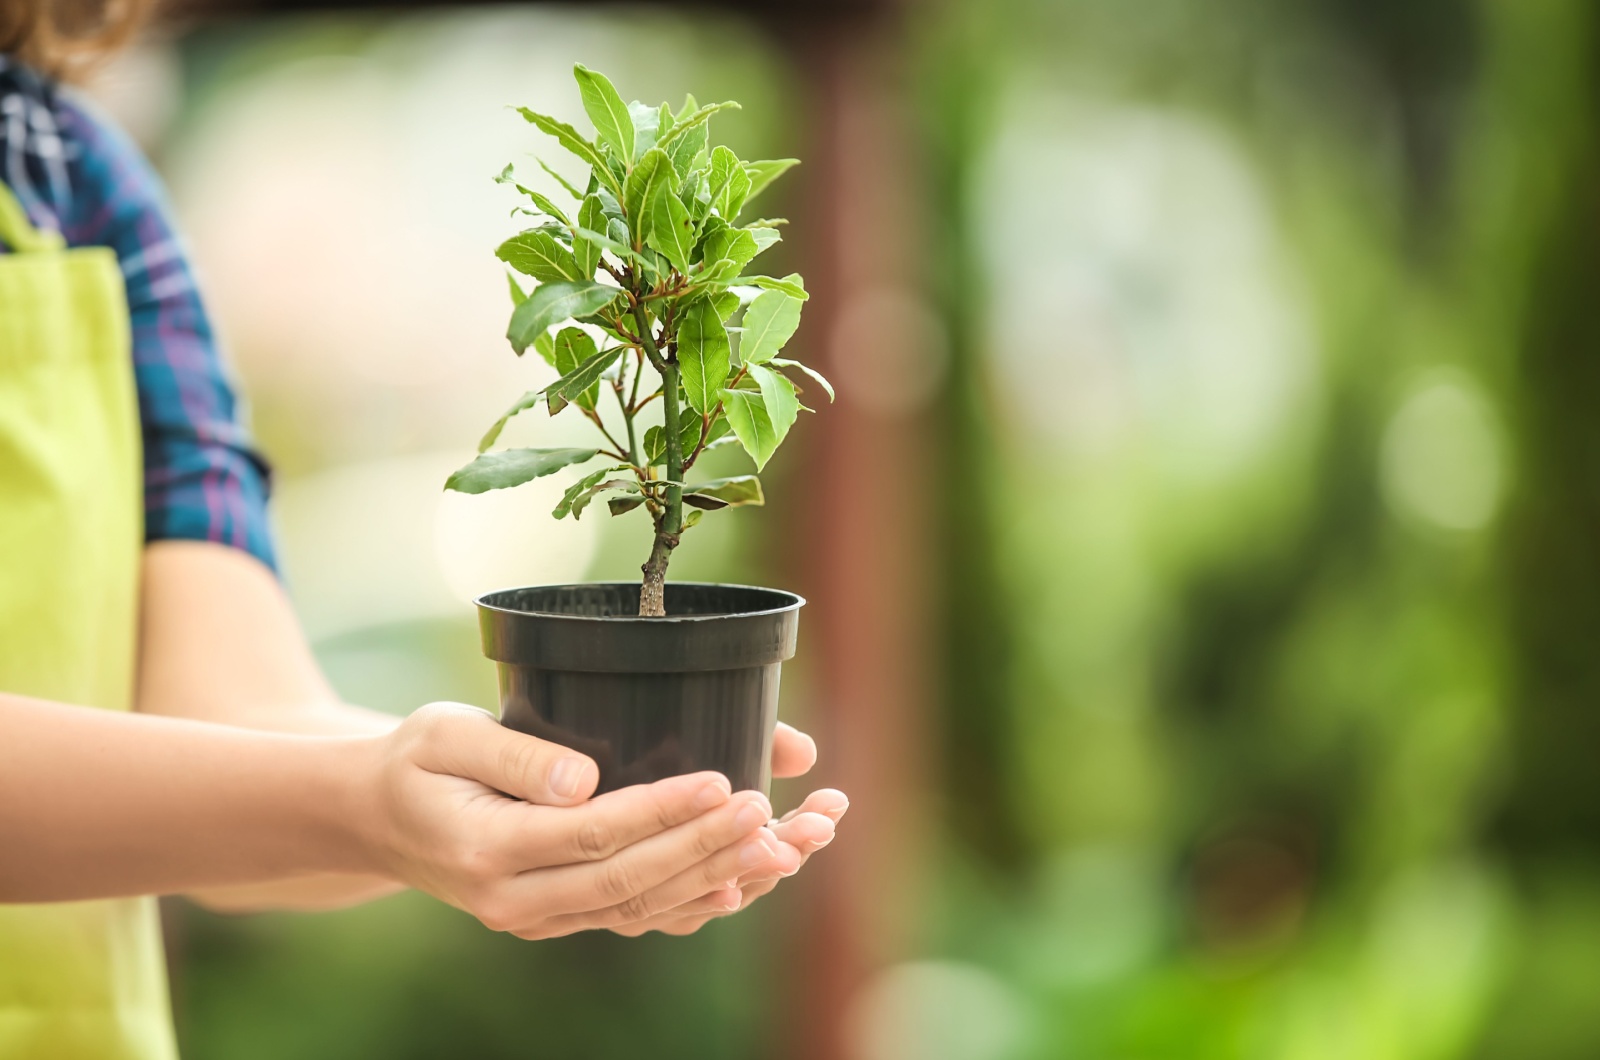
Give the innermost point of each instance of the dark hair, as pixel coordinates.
(64, 38)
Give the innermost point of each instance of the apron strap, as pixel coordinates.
(18, 233)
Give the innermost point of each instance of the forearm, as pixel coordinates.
(99, 804)
(301, 894)
(220, 642)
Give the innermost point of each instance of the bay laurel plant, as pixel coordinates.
(645, 301)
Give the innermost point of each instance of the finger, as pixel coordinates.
(786, 862)
(721, 902)
(692, 916)
(540, 836)
(466, 742)
(803, 832)
(711, 874)
(806, 833)
(793, 752)
(627, 876)
(830, 802)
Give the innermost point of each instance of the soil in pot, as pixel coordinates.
(646, 698)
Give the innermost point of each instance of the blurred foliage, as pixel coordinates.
(1290, 760)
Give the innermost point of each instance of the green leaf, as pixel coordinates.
(518, 296)
(586, 252)
(731, 200)
(693, 202)
(568, 137)
(545, 347)
(537, 254)
(581, 501)
(725, 493)
(726, 302)
(687, 125)
(722, 272)
(573, 348)
(672, 230)
(779, 396)
(652, 172)
(703, 355)
(655, 446)
(691, 518)
(513, 467)
(544, 204)
(524, 403)
(764, 237)
(730, 244)
(646, 126)
(790, 285)
(718, 434)
(724, 164)
(604, 242)
(617, 232)
(552, 303)
(782, 362)
(618, 170)
(764, 173)
(562, 510)
(580, 487)
(623, 505)
(571, 385)
(770, 322)
(574, 192)
(747, 415)
(606, 109)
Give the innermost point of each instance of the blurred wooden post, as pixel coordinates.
(863, 537)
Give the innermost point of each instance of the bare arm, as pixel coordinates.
(98, 804)
(219, 642)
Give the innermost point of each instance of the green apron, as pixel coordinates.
(78, 979)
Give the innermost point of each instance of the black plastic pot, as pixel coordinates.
(646, 698)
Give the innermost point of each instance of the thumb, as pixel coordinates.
(472, 744)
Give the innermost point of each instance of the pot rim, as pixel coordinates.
(796, 601)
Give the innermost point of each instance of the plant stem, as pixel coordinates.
(652, 592)
(627, 410)
(674, 439)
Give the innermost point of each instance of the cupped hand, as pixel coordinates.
(495, 822)
(800, 833)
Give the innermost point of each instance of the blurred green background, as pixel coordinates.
(1258, 368)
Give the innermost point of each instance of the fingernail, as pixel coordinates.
(566, 776)
(713, 794)
(733, 900)
(756, 852)
(753, 816)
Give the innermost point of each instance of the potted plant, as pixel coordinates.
(644, 302)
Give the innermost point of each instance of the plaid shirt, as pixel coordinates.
(75, 173)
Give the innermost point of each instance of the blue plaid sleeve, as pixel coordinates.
(203, 478)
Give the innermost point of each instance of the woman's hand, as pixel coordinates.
(494, 822)
(801, 833)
